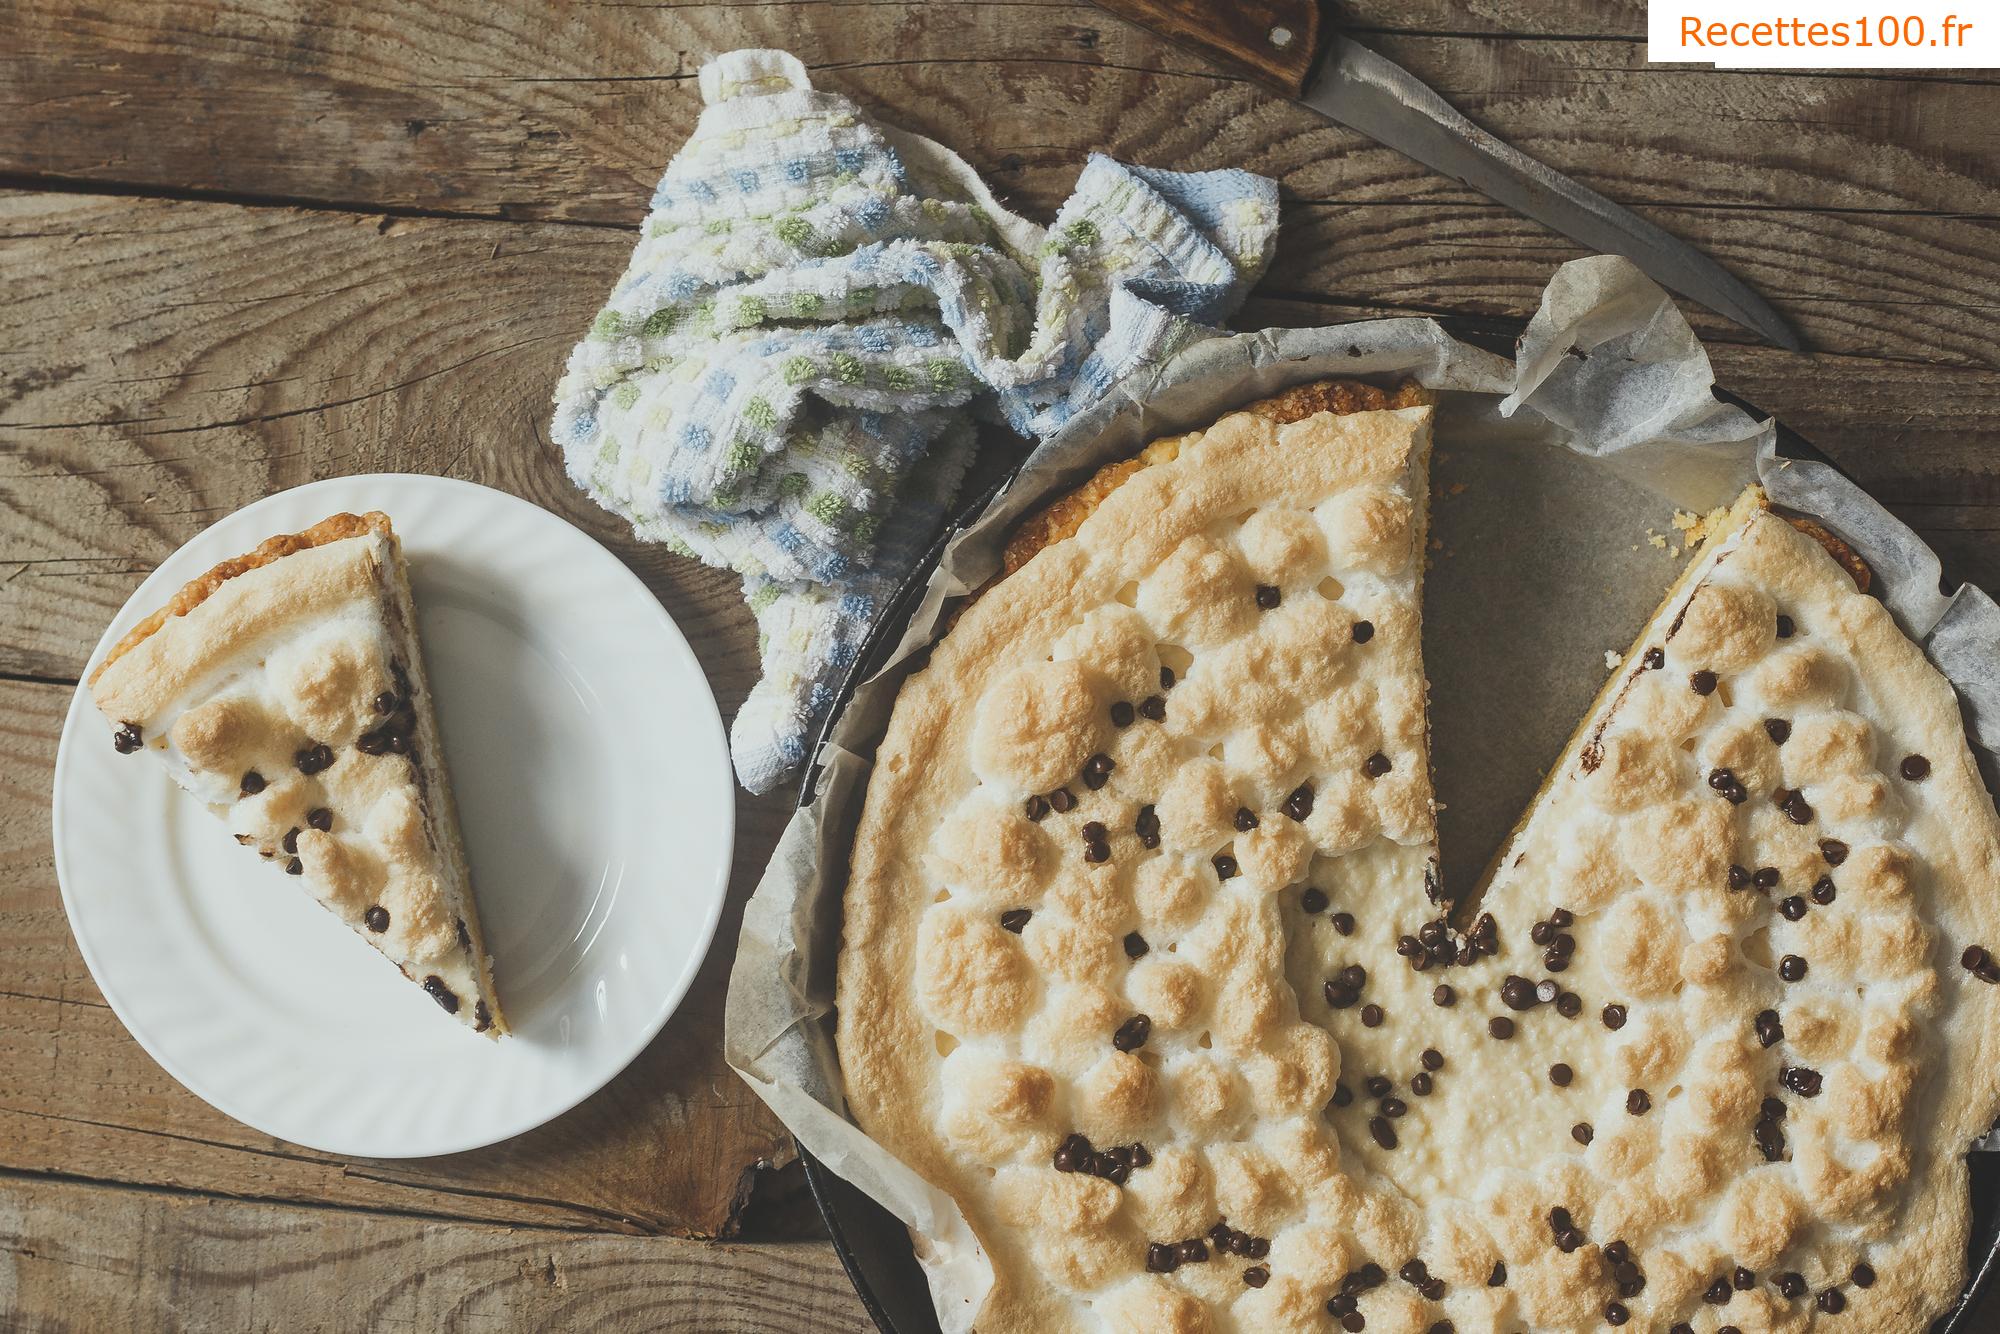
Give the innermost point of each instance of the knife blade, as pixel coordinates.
(1270, 40)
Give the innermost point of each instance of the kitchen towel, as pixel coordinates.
(784, 380)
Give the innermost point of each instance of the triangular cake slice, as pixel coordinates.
(1761, 885)
(286, 690)
(1063, 990)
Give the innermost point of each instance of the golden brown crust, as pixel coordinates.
(1764, 724)
(1061, 518)
(197, 590)
(286, 690)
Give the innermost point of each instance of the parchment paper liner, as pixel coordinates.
(1554, 478)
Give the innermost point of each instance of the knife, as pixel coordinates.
(1284, 46)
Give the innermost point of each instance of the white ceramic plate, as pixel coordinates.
(594, 787)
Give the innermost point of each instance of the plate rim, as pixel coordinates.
(708, 721)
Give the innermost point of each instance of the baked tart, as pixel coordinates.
(285, 689)
(1145, 965)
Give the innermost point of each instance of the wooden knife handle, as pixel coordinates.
(1272, 41)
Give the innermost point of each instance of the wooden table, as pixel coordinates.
(250, 243)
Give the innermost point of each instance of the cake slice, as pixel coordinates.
(285, 689)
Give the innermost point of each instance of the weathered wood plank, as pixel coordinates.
(670, 1146)
(571, 113)
(190, 358)
(80, 1257)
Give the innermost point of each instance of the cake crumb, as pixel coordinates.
(1612, 659)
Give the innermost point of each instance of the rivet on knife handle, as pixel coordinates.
(1271, 41)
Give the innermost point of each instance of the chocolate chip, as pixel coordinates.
(1500, 1026)
(1738, 878)
(1342, 1095)
(320, 818)
(377, 918)
(1742, 1279)
(1431, 1059)
(1132, 1034)
(1122, 714)
(1443, 996)
(1791, 1285)
(1974, 958)
(1569, 1005)
(1542, 933)
(1161, 1258)
(1340, 1304)
(1421, 1084)
(1343, 922)
(1225, 865)
(1300, 804)
(1394, 1108)
(1778, 730)
(1823, 891)
(295, 867)
(1384, 1133)
(1653, 659)
(1363, 631)
(127, 738)
(1728, 785)
(252, 784)
(1786, 627)
(1916, 768)
(1863, 1275)
(290, 842)
(1564, 944)
(441, 993)
(1792, 968)
(1562, 919)
(482, 1018)
(1719, 1293)
(1414, 1273)
(1567, 1242)
(1795, 808)
(1268, 596)
(1339, 997)
(1770, 1032)
(1166, 678)
(1062, 801)
(314, 758)
(1766, 878)
(1517, 993)
(1246, 819)
(1638, 1102)
(1793, 907)
(1617, 1253)
(1582, 1133)
(1770, 1137)
(1498, 1278)
(1153, 709)
(1135, 945)
(1096, 851)
(1256, 1276)
(1614, 1017)
(1833, 850)
(1560, 1075)
(1014, 919)
(1800, 1080)
(1442, 1326)
(1371, 1016)
(1313, 900)
(1354, 976)
(1376, 765)
(1354, 1322)
(1097, 770)
(372, 743)
(1615, 1313)
(1702, 683)
(1831, 1302)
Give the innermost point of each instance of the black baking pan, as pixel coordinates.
(873, 1245)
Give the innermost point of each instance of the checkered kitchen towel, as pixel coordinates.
(782, 383)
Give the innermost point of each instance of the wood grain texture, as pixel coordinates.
(177, 343)
(569, 111)
(670, 1146)
(80, 1257)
